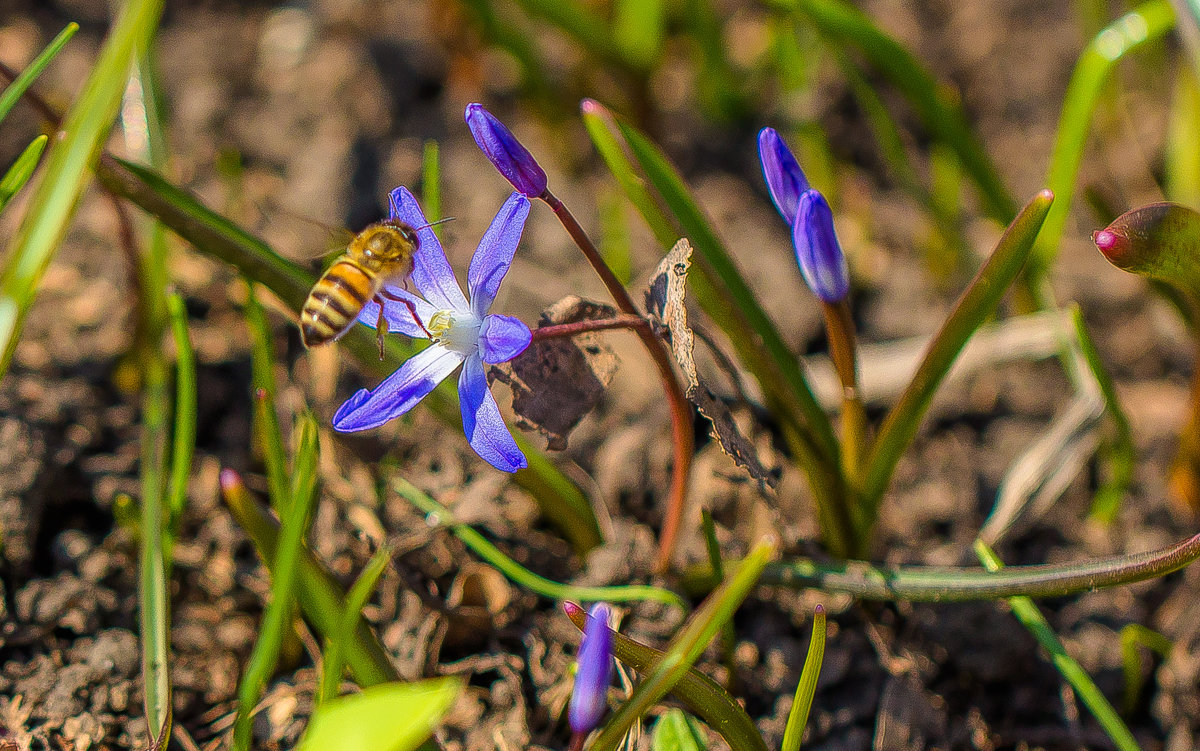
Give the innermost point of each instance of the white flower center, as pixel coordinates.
(457, 330)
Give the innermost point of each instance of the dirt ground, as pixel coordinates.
(325, 107)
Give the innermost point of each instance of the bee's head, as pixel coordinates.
(389, 241)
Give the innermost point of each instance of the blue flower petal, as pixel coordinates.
(485, 428)
(501, 338)
(431, 271)
(399, 392)
(398, 315)
(785, 179)
(822, 263)
(495, 253)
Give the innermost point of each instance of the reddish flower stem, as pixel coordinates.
(681, 410)
(560, 330)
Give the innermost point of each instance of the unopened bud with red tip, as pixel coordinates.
(822, 263)
(785, 180)
(1161, 240)
(589, 698)
(504, 151)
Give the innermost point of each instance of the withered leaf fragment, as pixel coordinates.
(555, 382)
(664, 299)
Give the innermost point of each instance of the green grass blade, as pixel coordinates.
(1032, 619)
(266, 422)
(519, 574)
(579, 22)
(183, 440)
(389, 717)
(686, 647)
(21, 170)
(1122, 454)
(431, 183)
(277, 618)
(977, 302)
(639, 27)
(1181, 162)
(700, 694)
(1134, 635)
(67, 169)
(844, 26)
(559, 499)
(947, 584)
(14, 91)
(806, 688)
(335, 647)
(321, 599)
(1147, 23)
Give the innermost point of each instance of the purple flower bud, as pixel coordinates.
(822, 262)
(785, 179)
(504, 151)
(589, 698)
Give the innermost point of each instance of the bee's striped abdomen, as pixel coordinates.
(335, 301)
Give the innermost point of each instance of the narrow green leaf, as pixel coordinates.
(335, 648)
(68, 165)
(387, 717)
(947, 584)
(638, 28)
(559, 499)
(21, 84)
(552, 590)
(847, 27)
(1181, 162)
(183, 442)
(806, 687)
(279, 613)
(267, 431)
(431, 183)
(21, 170)
(699, 693)
(977, 302)
(1032, 619)
(321, 599)
(686, 647)
(1134, 635)
(1147, 23)
(677, 731)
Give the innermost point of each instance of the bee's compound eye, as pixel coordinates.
(410, 235)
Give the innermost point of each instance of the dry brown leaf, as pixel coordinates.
(557, 381)
(664, 299)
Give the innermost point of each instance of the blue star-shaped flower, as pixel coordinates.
(462, 331)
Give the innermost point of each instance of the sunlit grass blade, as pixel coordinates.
(948, 584)
(687, 646)
(439, 514)
(1181, 162)
(67, 170)
(639, 27)
(700, 694)
(845, 26)
(335, 646)
(25, 79)
(1147, 23)
(1134, 635)
(183, 435)
(21, 170)
(320, 597)
(1032, 619)
(677, 731)
(806, 688)
(976, 303)
(1121, 454)
(267, 431)
(431, 183)
(277, 617)
(560, 500)
(388, 717)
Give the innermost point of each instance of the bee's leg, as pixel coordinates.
(412, 309)
(380, 323)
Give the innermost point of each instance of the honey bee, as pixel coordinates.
(380, 254)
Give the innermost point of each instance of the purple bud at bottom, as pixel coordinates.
(589, 698)
(818, 252)
(505, 152)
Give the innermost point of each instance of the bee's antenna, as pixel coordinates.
(434, 224)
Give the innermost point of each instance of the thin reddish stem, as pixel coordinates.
(681, 410)
(576, 328)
